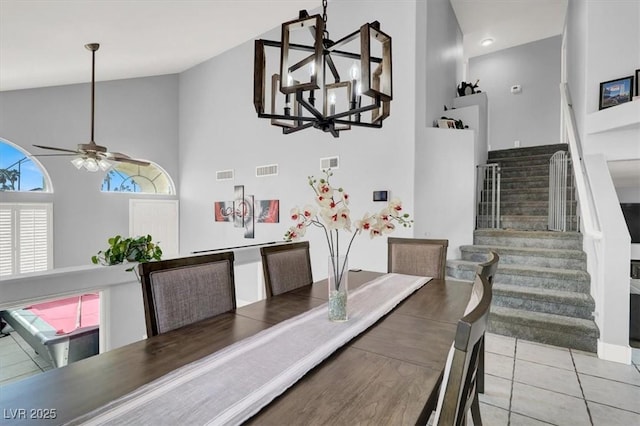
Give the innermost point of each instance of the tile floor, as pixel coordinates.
(533, 384)
(18, 360)
(526, 384)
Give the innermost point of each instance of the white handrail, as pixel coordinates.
(585, 197)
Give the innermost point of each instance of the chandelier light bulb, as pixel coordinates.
(312, 69)
(354, 71)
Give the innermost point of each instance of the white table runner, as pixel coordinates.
(231, 385)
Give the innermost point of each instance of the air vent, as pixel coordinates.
(329, 163)
(268, 170)
(224, 175)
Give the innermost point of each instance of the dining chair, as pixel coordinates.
(177, 292)
(416, 256)
(286, 267)
(458, 391)
(487, 270)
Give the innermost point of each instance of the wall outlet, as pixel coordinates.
(516, 144)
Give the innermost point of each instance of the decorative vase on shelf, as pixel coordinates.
(338, 288)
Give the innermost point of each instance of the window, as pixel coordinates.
(19, 171)
(127, 177)
(25, 238)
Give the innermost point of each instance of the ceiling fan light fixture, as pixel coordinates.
(91, 164)
(78, 162)
(91, 156)
(327, 85)
(104, 164)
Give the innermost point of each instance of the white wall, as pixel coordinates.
(137, 116)
(591, 60)
(442, 42)
(446, 180)
(219, 130)
(533, 115)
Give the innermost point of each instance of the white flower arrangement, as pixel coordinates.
(332, 214)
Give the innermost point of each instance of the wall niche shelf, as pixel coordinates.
(624, 116)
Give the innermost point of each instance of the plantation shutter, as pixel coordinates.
(26, 242)
(6, 241)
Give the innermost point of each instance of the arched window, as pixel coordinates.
(127, 177)
(19, 171)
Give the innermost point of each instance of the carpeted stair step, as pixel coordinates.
(530, 194)
(538, 208)
(525, 276)
(531, 171)
(522, 183)
(529, 256)
(524, 222)
(567, 303)
(551, 329)
(523, 160)
(541, 239)
(527, 151)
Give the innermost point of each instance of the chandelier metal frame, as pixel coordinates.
(368, 87)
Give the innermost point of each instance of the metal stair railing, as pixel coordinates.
(488, 196)
(562, 215)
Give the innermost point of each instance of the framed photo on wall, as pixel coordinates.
(616, 92)
(637, 81)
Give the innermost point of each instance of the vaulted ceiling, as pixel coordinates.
(41, 41)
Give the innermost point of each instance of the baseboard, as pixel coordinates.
(615, 353)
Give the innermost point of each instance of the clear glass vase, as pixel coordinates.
(338, 288)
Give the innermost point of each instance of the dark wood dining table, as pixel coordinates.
(383, 376)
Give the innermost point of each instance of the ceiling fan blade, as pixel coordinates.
(56, 149)
(132, 161)
(55, 155)
(124, 158)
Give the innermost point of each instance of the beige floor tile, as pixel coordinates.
(545, 377)
(544, 354)
(498, 365)
(18, 369)
(520, 420)
(612, 393)
(14, 357)
(497, 391)
(502, 345)
(594, 366)
(548, 406)
(491, 415)
(604, 415)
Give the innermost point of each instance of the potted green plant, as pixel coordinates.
(138, 249)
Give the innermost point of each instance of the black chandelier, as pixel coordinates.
(323, 84)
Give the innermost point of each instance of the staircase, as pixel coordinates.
(541, 289)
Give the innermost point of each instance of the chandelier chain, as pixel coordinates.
(324, 19)
(324, 10)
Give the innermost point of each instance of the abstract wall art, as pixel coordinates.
(244, 211)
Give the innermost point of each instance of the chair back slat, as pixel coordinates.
(178, 292)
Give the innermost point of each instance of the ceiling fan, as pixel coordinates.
(91, 156)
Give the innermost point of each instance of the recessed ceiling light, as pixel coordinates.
(486, 42)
